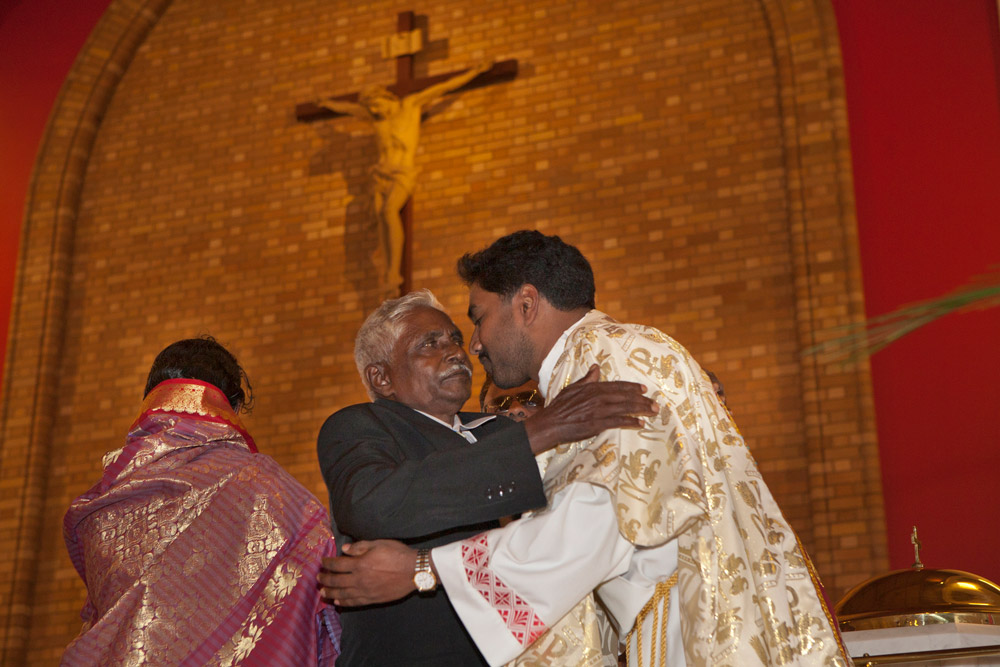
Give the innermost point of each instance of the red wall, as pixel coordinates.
(924, 114)
(39, 40)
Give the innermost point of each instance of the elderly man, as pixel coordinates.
(671, 527)
(195, 549)
(410, 466)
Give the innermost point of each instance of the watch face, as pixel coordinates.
(425, 581)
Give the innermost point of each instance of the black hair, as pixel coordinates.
(558, 270)
(721, 391)
(203, 359)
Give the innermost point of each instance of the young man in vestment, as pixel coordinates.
(670, 527)
(196, 549)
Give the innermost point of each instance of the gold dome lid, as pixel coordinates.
(919, 597)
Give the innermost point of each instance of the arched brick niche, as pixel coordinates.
(696, 152)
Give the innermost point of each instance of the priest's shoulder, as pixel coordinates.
(609, 331)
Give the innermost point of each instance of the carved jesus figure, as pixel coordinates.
(396, 123)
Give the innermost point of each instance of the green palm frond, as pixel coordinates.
(856, 341)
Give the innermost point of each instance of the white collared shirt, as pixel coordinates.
(464, 430)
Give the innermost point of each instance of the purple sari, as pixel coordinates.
(195, 549)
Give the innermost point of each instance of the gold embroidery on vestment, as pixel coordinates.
(688, 475)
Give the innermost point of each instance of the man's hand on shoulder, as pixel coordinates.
(586, 408)
(368, 573)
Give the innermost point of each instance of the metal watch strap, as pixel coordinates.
(423, 575)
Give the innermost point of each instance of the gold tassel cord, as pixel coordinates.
(660, 598)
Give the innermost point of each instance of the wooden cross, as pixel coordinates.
(403, 46)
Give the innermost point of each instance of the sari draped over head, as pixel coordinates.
(197, 550)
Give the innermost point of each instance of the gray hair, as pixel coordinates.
(381, 330)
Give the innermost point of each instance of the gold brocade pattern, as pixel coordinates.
(182, 397)
(192, 548)
(281, 583)
(745, 591)
(584, 638)
(191, 397)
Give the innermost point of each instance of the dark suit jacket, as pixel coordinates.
(394, 473)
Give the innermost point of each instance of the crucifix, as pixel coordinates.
(917, 565)
(395, 113)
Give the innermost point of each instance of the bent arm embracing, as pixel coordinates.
(384, 483)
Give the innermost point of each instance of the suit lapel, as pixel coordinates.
(436, 436)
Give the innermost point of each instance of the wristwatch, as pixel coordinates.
(423, 576)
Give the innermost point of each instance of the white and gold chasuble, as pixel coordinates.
(685, 485)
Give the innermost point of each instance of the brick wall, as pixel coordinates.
(695, 152)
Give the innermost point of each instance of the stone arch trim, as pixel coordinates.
(45, 261)
(842, 449)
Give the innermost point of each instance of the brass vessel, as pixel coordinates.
(919, 597)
